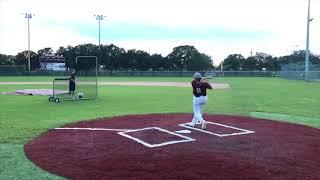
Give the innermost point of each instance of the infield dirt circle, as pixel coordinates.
(154, 147)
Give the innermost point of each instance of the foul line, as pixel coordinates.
(93, 129)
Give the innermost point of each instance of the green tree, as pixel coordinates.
(22, 59)
(7, 59)
(157, 62)
(143, 60)
(112, 57)
(265, 61)
(188, 58)
(250, 64)
(137, 60)
(234, 62)
(47, 50)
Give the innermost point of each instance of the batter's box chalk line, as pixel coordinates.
(184, 138)
(93, 129)
(244, 131)
(123, 132)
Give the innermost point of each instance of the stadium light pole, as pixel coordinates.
(222, 68)
(28, 16)
(307, 43)
(99, 18)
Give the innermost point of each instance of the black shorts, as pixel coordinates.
(72, 86)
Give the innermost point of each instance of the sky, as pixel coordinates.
(215, 27)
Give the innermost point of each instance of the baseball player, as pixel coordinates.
(199, 86)
(72, 83)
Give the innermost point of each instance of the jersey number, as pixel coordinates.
(198, 90)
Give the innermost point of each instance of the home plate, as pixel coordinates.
(184, 131)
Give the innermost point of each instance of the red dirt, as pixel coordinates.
(276, 150)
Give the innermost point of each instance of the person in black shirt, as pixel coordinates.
(199, 87)
(72, 83)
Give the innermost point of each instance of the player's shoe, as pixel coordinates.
(204, 124)
(199, 122)
(189, 124)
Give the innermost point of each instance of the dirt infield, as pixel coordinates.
(148, 147)
(168, 84)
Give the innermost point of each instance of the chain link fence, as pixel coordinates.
(12, 70)
(300, 75)
(296, 75)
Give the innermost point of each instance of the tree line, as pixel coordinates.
(262, 61)
(182, 58)
(112, 57)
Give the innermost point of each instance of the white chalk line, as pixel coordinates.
(197, 129)
(228, 126)
(123, 132)
(185, 138)
(244, 131)
(93, 129)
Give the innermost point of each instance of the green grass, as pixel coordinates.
(23, 118)
(14, 165)
(312, 121)
(268, 95)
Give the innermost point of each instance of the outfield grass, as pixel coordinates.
(23, 118)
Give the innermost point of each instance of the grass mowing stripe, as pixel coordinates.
(15, 165)
(310, 121)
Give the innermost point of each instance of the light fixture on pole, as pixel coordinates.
(28, 16)
(99, 18)
(307, 43)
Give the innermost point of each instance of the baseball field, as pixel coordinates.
(258, 128)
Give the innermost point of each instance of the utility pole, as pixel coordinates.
(307, 43)
(222, 74)
(99, 18)
(28, 16)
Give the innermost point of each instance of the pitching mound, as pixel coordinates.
(35, 92)
(160, 146)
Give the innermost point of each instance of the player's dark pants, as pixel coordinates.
(72, 87)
